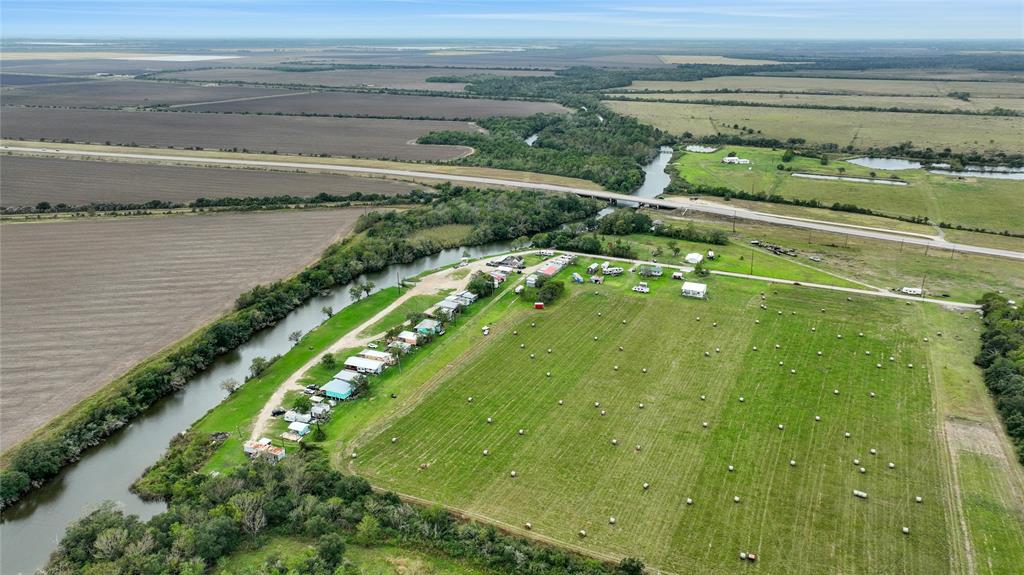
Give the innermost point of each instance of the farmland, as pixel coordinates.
(819, 126)
(976, 202)
(840, 86)
(939, 103)
(28, 181)
(686, 59)
(383, 105)
(356, 137)
(395, 78)
(128, 288)
(570, 476)
(125, 93)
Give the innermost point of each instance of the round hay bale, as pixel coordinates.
(736, 499)
(704, 424)
(860, 333)
(906, 531)
(513, 474)
(926, 340)
(741, 399)
(641, 406)
(872, 394)
(516, 332)
(780, 363)
(792, 463)
(891, 358)
(469, 399)
(561, 402)
(892, 465)
(620, 348)
(819, 353)
(757, 321)
(533, 324)
(354, 455)
(597, 404)
(835, 392)
(603, 413)
(867, 353)
(707, 354)
(817, 418)
(689, 501)
(703, 397)
(616, 368)
(731, 468)
(521, 432)
(814, 329)
(781, 427)
(532, 356)
(615, 441)
(910, 365)
(839, 336)
(583, 533)
(743, 555)
(715, 324)
(644, 370)
(878, 366)
(598, 314)
(611, 521)
(718, 350)
(856, 461)
(792, 313)
(777, 346)
(873, 451)
(549, 350)
(638, 447)
(548, 374)
(490, 420)
(822, 310)
(595, 338)
(623, 322)
(792, 371)
(522, 346)
(919, 499)
(394, 440)
(528, 526)
(846, 435)
(862, 470)
(780, 312)
(647, 485)
(698, 318)
(487, 452)
(755, 348)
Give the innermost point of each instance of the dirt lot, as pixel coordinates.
(383, 105)
(83, 301)
(28, 181)
(125, 93)
(354, 137)
(401, 78)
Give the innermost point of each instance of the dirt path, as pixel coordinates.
(434, 283)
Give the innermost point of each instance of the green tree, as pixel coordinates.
(788, 156)
(630, 566)
(550, 291)
(356, 292)
(327, 361)
(327, 310)
(302, 403)
(230, 385)
(295, 336)
(331, 549)
(258, 366)
(368, 531)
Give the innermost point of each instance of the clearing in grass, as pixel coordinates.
(571, 475)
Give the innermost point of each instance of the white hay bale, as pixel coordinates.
(872, 394)
(469, 399)
(490, 420)
(616, 368)
(603, 413)
(792, 313)
(638, 447)
(819, 353)
(533, 324)
(878, 365)
(792, 463)
(532, 356)
(873, 451)
(781, 427)
(835, 392)
(781, 363)
(839, 336)
(822, 310)
(715, 324)
(910, 365)
(597, 404)
(856, 461)
(718, 350)
(645, 370)
(615, 441)
(516, 332)
(647, 485)
(892, 465)
(741, 399)
(757, 321)
(598, 314)
(814, 329)
(704, 424)
(513, 474)
(522, 346)
(777, 346)
(919, 499)
(689, 501)
(595, 338)
(487, 452)
(549, 350)
(867, 353)
(743, 556)
(780, 312)
(703, 397)
(522, 432)
(623, 322)
(755, 348)
(394, 440)
(891, 358)
(698, 318)
(561, 402)
(862, 470)
(707, 354)
(583, 533)
(528, 526)
(736, 499)
(793, 371)
(846, 435)
(906, 531)
(620, 348)
(860, 334)
(548, 374)
(926, 340)
(354, 455)
(817, 418)
(860, 494)
(731, 468)
(849, 299)
(611, 521)
(641, 406)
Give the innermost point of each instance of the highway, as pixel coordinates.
(673, 204)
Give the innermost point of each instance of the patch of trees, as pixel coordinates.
(186, 454)
(625, 222)
(481, 284)
(211, 517)
(494, 215)
(550, 290)
(1002, 358)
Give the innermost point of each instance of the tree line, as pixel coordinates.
(494, 215)
(1002, 359)
(996, 111)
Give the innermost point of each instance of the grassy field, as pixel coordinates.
(866, 86)
(859, 129)
(384, 560)
(921, 102)
(365, 104)
(977, 202)
(83, 301)
(570, 477)
(28, 181)
(415, 304)
(360, 137)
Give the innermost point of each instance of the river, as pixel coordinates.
(31, 529)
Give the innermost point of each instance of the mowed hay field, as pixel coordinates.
(383, 105)
(839, 86)
(974, 202)
(396, 78)
(353, 137)
(84, 301)
(28, 181)
(819, 126)
(126, 93)
(798, 519)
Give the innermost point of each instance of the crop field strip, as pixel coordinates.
(394, 78)
(126, 93)
(841, 86)
(841, 127)
(29, 180)
(800, 518)
(354, 137)
(938, 103)
(84, 301)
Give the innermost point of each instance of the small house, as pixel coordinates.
(381, 356)
(348, 376)
(498, 277)
(364, 365)
(399, 346)
(651, 271)
(592, 269)
(429, 327)
(519, 289)
(735, 160)
(409, 337)
(468, 295)
(263, 448)
(677, 275)
(711, 254)
(538, 305)
(337, 389)
(577, 278)
(550, 269)
(694, 289)
(320, 411)
(546, 253)
(693, 258)
(292, 415)
(642, 287)
(299, 428)
(531, 280)
(447, 309)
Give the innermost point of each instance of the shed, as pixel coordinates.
(677, 275)
(381, 356)
(694, 289)
(299, 428)
(409, 337)
(400, 346)
(429, 327)
(320, 411)
(577, 278)
(337, 389)
(538, 305)
(531, 280)
(693, 258)
(592, 269)
(293, 415)
(364, 365)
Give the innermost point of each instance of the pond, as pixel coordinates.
(992, 172)
(885, 163)
(31, 529)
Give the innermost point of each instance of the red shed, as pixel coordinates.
(538, 305)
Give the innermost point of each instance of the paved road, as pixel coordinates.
(673, 204)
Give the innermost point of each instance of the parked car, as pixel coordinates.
(277, 412)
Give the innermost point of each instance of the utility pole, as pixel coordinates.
(751, 261)
(922, 283)
(926, 246)
(734, 221)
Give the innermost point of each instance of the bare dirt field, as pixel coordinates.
(399, 78)
(7, 80)
(382, 105)
(126, 93)
(28, 181)
(83, 301)
(353, 137)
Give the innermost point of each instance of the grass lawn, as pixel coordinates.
(383, 560)
(451, 234)
(800, 518)
(236, 413)
(415, 304)
(976, 202)
(841, 127)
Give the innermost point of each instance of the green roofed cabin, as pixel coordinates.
(337, 389)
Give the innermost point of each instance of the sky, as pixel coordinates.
(570, 19)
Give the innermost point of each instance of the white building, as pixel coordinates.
(694, 289)
(381, 356)
(693, 259)
(296, 416)
(734, 160)
(911, 291)
(348, 376)
(364, 365)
